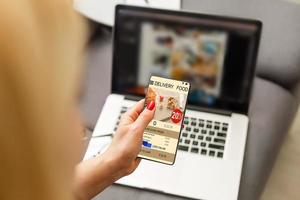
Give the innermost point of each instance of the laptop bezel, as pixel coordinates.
(243, 109)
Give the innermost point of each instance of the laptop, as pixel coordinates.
(217, 56)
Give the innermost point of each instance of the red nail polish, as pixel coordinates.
(151, 105)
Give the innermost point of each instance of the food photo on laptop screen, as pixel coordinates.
(183, 53)
(160, 139)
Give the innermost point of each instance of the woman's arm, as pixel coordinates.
(120, 159)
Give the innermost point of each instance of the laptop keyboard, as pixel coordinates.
(123, 110)
(199, 136)
(205, 137)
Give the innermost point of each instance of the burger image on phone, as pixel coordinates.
(172, 103)
(166, 102)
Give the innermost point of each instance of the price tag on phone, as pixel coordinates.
(176, 116)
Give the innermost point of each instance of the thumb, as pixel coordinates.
(146, 116)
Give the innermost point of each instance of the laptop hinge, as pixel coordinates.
(210, 110)
(133, 97)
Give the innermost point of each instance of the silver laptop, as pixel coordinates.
(217, 56)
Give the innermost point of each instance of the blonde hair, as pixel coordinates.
(41, 43)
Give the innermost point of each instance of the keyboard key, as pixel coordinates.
(201, 125)
(185, 122)
(211, 132)
(217, 127)
(220, 154)
(195, 150)
(180, 140)
(192, 136)
(208, 139)
(187, 141)
(193, 123)
(211, 153)
(203, 131)
(221, 134)
(224, 128)
(209, 121)
(184, 134)
(203, 144)
(214, 146)
(203, 151)
(196, 130)
(188, 129)
(183, 148)
(208, 126)
(200, 137)
(195, 143)
(219, 140)
(192, 118)
(225, 124)
(201, 120)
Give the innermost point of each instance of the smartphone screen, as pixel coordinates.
(160, 139)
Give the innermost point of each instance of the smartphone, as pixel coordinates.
(161, 137)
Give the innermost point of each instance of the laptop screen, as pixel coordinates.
(216, 55)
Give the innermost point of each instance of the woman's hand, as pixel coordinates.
(120, 159)
(127, 141)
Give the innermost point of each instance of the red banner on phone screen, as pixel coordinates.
(176, 115)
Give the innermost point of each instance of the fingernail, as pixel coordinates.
(151, 105)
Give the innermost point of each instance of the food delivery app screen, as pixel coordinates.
(161, 136)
